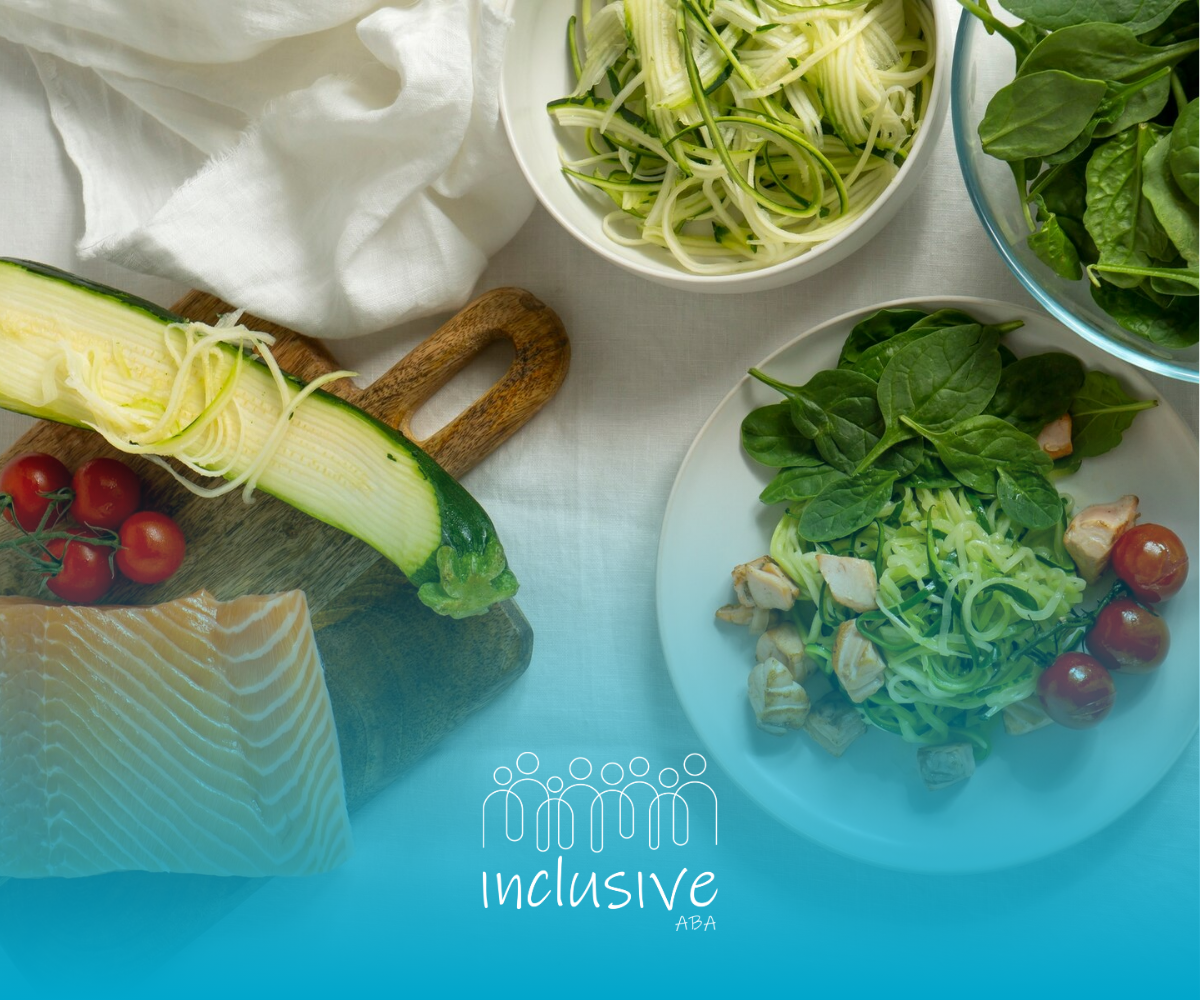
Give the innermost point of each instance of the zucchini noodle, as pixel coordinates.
(200, 421)
(738, 134)
(963, 596)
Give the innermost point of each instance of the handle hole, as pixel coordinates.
(480, 374)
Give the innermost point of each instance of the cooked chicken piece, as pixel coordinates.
(857, 663)
(1055, 437)
(1094, 531)
(851, 581)
(783, 643)
(834, 724)
(945, 765)
(761, 619)
(1025, 716)
(735, 614)
(779, 703)
(762, 584)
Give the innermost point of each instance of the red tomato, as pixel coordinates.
(26, 480)
(152, 547)
(1152, 561)
(86, 572)
(1076, 691)
(1128, 637)
(106, 493)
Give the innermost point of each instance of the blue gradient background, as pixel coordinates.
(578, 496)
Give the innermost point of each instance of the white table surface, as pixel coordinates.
(579, 496)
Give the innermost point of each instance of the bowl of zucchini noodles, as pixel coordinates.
(725, 145)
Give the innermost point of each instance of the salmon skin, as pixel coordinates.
(195, 736)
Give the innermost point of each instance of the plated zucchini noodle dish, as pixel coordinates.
(926, 577)
(738, 134)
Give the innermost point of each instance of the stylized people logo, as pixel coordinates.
(554, 802)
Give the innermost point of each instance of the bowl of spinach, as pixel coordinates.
(1076, 130)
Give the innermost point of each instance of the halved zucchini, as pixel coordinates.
(84, 354)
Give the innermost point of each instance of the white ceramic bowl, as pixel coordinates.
(536, 71)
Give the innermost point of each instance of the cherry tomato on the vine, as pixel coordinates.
(86, 572)
(106, 493)
(1152, 561)
(26, 479)
(1129, 637)
(1076, 690)
(152, 547)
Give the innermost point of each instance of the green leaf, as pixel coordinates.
(975, 449)
(846, 505)
(941, 379)
(875, 329)
(1049, 15)
(770, 437)
(1120, 219)
(1101, 412)
(930, 474)
(801, 482)
(837, 409)
(1039, 114)
(1036, 389)
(1175, 213)
(1054, 247)
(1101, 51)
(1184, 150)
(1028, 498)
(1172, 326)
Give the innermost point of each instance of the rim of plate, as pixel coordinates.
(959, 126)
(1037, 853)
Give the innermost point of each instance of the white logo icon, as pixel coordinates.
(554, 802)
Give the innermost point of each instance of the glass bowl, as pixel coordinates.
(983, 64)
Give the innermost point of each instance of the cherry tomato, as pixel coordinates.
(152, 547)
(1128, 637)
(106, 493)
(26, 479)
(1076, 691)
(86, 572)
(1152, 561)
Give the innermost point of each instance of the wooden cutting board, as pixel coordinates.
(400, 677)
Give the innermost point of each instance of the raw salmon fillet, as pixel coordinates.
(196, 736)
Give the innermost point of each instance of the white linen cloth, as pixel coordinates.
(338, 167)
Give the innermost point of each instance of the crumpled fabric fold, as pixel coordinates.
(337, 167)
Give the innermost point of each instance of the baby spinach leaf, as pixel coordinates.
(943, 318)
(846, 505)
(1137, 15)
(1101, 51)
(1125, 106)
(1167, 325)
(930, 474)
(1184, 149)
(1118, 216)
(1100, 413)
(1027, 497)
(801, 482)
(1036, 389)
(875, 359)
(770, 437)
(975, 449)
(1039, 114)
(1053, 246)
(875, 329)
(836, 408)
(939, 380)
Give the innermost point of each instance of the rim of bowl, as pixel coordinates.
(942, 22)
(1043, 297)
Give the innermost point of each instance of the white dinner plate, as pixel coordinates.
(1036, 794)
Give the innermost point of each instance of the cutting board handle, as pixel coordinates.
(541, 355)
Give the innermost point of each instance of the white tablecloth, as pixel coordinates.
(579, 496)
